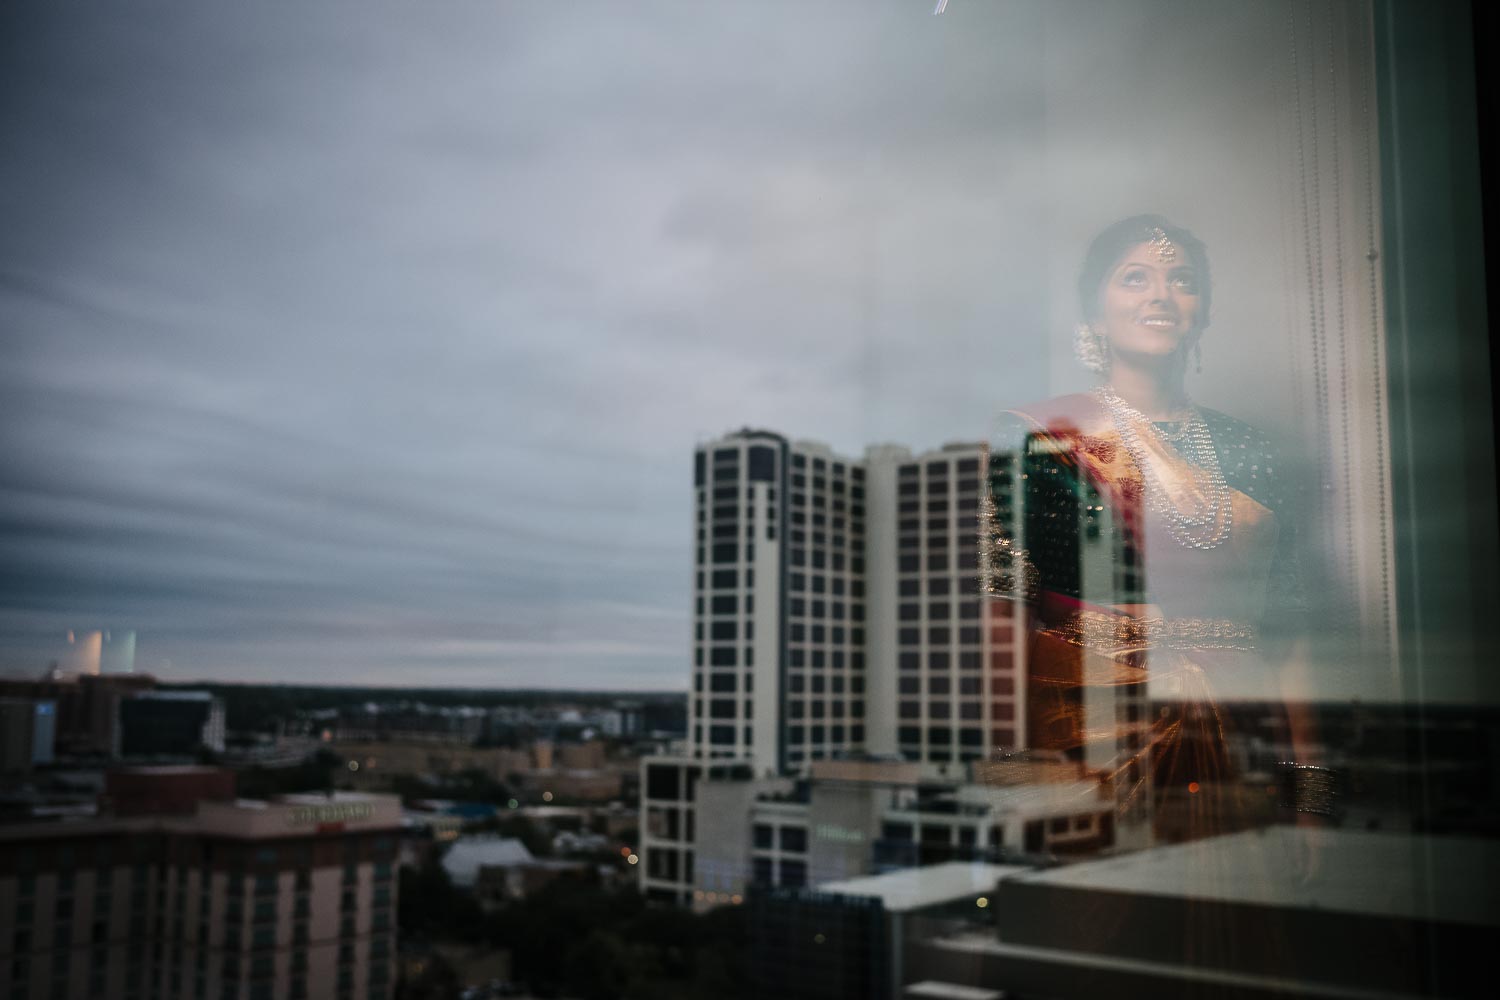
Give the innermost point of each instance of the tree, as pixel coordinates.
(632, 951)
(436, 981)
(431, 906)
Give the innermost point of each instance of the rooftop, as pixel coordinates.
(931, 989)
(467, 856)
(323, 798)
(932, 885)
(1394, 875)
(1036, 798)
(175, 696)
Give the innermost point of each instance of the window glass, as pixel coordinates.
(1129, 361)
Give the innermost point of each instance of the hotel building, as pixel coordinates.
(837, 615)
(224, 900)
(945, 658)
(837, 607)
(779, 602)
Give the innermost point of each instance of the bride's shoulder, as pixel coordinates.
(1250, 458)
(1075, 413)
(1233, 433)
(1074, 407)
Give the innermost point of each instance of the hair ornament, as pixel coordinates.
(1166, 250)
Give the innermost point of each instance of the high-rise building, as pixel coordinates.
(837, 607)
(944, 660)
(837, 614)
(779, 622)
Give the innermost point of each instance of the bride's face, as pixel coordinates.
(1148, 306)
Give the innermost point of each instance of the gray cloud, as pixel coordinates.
(369, 342)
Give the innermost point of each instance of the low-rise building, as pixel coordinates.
(287, 899)
(411, 723)
(87, 706)
(715, 830)
(669, 786)
(849, 938)
(469, 856)
(170, 724)
(499, 870)
(28, 733)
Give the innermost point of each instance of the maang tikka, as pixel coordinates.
(1166, 250)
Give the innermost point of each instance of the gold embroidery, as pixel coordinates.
(1099, 447)
(1127, 632)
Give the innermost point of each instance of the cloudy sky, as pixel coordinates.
(367, 343)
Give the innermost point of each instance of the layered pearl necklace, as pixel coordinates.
(1206, 525)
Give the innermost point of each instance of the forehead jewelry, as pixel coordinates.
(1166, 250)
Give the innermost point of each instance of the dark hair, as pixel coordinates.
(1110, 245)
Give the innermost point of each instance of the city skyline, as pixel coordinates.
(746, 500)
(374, 351)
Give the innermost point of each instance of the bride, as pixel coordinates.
(1149, 542)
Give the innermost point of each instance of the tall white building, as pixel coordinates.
(944, 660)
(779, 603)
(837, 607)
(837, 613)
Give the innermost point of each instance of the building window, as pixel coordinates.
(662, 782)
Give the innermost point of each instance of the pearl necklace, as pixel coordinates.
(1207, 525)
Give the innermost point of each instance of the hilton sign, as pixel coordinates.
(333, 812)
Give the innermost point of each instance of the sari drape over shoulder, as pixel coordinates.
(1131, 632)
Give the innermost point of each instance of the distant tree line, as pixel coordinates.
(259, 707)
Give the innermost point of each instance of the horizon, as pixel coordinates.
(1229, 699)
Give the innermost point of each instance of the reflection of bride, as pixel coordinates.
(1150, 541)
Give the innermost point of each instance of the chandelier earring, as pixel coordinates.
(1091, 349)
(1198, 356)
